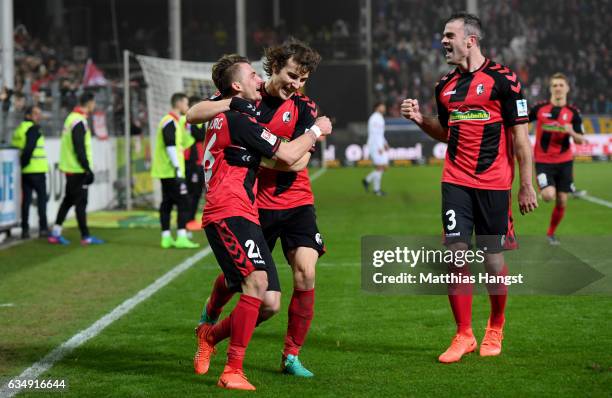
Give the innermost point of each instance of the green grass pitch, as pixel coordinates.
(359, 344)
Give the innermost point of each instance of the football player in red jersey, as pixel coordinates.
(483, 117)
(230, 218)
(284, 199)
(556, 122)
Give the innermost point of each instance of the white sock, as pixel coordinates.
(57, 230)
(166, 234)
(370, 176)
(190, 234)
(377, 180)
(181, 233)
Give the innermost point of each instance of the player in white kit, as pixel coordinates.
(378, 147)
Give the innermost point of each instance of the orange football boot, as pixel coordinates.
(234, 379)
(460, 346)
(194, 225)
(492, 342)
(201, 360)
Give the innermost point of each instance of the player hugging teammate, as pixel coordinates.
(284, 201)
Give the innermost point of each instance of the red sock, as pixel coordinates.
(243, 319)
(219, 296)
(460, 298)
(498, 294)
(555, 219)
(220, 331)
(301, 311)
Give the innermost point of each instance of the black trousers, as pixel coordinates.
(34, 182)
(76, 195)
(195, 187)
(171, 196)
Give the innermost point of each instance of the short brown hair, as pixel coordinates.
(277, 57)
(558, 75)
(176, 98)
(224, 72)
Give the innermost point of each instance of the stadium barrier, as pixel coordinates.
(10, 188)
(409, 144)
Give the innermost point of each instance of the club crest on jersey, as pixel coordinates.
(287, 117)
(268, 136)
(457, 115)
(480, 89)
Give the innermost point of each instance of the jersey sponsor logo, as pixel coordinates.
(564, 116)
(547, 114)
(553, 128)
(480, 89)
(521, 107)
(287, 117)
(451, 92)
(472, 114)
(268, 136)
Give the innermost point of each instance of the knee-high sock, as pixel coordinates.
(301, 311)
(219, 296)
(370, 177)
(460, 298)
(377, 180)
(498, 294)
(555, 218)
(243, 319)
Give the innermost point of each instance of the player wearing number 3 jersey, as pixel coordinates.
(483, 117)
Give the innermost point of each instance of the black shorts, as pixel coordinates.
(486, 212)
(296, 227)
(240, 248)
(558, 175)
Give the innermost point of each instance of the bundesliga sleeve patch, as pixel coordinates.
(268, 136)
(521, 107)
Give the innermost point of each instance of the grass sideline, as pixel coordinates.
(359, 345)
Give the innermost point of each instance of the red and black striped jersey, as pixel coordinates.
(553, 143)
(287, 119)
(477, 108)
(231, 190)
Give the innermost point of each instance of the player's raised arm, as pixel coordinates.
(429, 124)
(527, 198)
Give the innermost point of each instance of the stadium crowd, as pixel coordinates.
(535, 38)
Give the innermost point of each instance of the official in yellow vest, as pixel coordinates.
(76, 161)
(29, 139)
(169, 166)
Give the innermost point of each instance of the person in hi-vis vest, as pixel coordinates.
(169, 166)
(76, 162)
(29, 139)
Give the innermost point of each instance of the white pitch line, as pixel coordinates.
(34, 371)
(598, 201)
(318, 174)
(7, 305)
